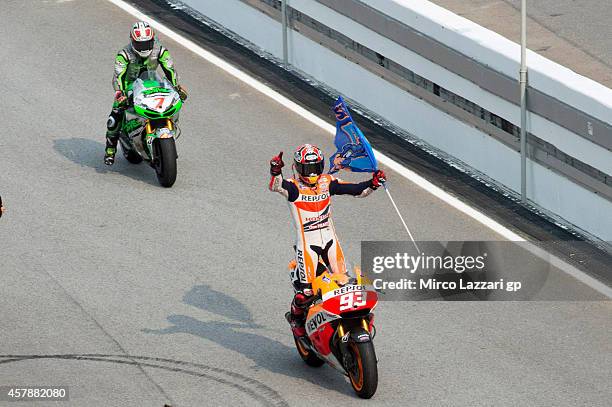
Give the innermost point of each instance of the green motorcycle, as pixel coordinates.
(149, 128)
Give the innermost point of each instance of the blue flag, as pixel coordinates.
(354, 151)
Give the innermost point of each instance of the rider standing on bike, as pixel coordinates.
(308, 196)
(143, 53)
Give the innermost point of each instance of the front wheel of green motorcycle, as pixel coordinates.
(165, 161)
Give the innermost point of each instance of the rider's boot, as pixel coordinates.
(297, 315)
(111, 147)
(109, 155)
(110, 151)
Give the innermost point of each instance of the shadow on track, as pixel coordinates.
(265, 352)
(90, 153)
(205, 298)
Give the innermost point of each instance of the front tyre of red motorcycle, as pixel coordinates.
(364, 371)
(307, 356)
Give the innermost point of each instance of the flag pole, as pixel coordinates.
(343, 119)
(401, 218)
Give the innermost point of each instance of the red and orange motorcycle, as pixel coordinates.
(340, 329)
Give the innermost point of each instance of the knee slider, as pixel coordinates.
(111, 123)
(300, 299)
(113, 120)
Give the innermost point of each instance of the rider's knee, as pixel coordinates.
(112, 122)
(302, 298)
(114, 119)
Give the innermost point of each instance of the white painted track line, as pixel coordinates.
(382, 158)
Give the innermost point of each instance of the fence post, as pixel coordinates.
(284, 22)
(523, 89)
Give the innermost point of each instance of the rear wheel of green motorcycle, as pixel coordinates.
(364, 372)
(131, 155)
(165, 161)
(307, 356)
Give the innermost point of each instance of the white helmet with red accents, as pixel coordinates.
(142, 39)
(309, 163)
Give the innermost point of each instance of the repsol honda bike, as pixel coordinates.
(149, 128)
(340, 329)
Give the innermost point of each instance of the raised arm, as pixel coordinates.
(277, 183)
(359, 190)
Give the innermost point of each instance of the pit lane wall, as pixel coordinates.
(452, 84)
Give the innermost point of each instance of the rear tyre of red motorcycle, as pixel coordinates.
(364, 375)
(307, 356)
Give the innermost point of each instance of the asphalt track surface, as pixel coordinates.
(131, 294)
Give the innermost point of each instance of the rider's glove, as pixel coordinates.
(378, 178)
(182, 92)
(276, 164)
(120, 98)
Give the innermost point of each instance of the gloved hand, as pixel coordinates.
(277, 164)
(182, 92)
(120, 98)
(378, 178)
